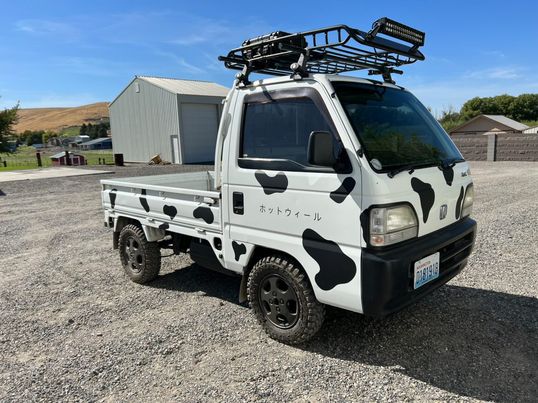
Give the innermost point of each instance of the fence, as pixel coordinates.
(502, 147)
(28, 160)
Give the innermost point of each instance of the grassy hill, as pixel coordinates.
(59, 119)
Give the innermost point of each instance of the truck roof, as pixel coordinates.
(321, 78)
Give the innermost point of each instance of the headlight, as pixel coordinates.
(468, 201)
(390, 225)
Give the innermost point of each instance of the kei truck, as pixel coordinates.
(327, 189)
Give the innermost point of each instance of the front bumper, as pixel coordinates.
(387, 275)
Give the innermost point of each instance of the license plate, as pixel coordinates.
(426, 270)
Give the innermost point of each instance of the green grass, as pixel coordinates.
(70, 131)
(25, 158)
(530, 123)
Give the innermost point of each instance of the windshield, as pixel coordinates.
(394, 128)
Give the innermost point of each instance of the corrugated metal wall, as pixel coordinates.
(143, 122)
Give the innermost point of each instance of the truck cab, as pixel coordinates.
(327, 190)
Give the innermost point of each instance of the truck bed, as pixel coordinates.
(183, 203)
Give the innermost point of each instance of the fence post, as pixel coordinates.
(492, 147)
(38, 157)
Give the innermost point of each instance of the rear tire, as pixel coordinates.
(283, 300)
(141, 260)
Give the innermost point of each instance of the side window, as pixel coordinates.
(280, 130)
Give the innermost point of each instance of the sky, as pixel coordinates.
(70, 53)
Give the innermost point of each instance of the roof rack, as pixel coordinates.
(330, 50)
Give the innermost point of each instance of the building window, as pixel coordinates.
(137, 87)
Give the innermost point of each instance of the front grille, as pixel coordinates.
(451, 257)
(453, 254)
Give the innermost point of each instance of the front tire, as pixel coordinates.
(283, 300)
(141, 260)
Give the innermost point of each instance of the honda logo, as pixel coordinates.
(442, 212)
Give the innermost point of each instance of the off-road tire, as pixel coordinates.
(144, 263)
(310, 312)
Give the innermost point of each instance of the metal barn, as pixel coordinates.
(177, 119)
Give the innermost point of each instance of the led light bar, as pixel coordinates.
(399, 31)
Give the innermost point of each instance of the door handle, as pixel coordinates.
(238, 203)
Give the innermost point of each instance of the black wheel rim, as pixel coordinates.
(133, 255)
(278, 301)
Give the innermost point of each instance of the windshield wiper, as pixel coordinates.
(396, 171)
(443, 165)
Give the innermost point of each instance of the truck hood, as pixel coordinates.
(428, 190)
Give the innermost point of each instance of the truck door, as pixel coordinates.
(279, 201)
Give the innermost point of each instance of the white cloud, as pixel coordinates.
(504, 73)
(185, 66)
(494, 53)
(88, 66)
(45, 27)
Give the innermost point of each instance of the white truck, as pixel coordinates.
(327, 189)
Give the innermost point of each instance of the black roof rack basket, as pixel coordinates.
(330, 50)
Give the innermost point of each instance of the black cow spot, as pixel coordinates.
(426, 194)
(164, 226)
(170, 211)
(144, 201)
(204, 213)
(270, 185)
(448, 173)
(112, 196)
(340, 194)
(334, 266)
(239, 249)
(459, 204)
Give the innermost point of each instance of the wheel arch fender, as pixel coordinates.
(258, 253)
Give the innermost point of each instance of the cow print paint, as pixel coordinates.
(459, 204)
(204, 213)
(426, 194)
(239, 249)
(340, 194)
(164, 226)
(335, 267)
(448, 173)
(112, 196)
(170, 211)
(144, 201)
(270, 185)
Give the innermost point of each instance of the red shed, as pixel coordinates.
(61, 159)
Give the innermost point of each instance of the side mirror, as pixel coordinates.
(320, 149)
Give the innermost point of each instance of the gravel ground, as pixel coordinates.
(72, 327)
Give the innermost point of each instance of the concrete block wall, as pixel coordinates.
(472, 146)
(503, 147)
(517, 147)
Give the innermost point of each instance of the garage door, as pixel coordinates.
(200, 123)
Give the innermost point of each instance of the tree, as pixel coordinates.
(523, 107)
(91, 130)
(83, 130)
(35, 137)
(102, 130)
(450, 119)
(48, 135)
(8, 117)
